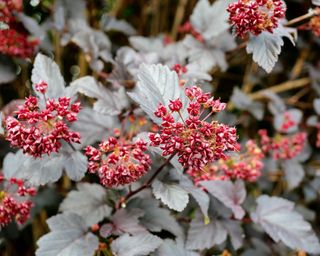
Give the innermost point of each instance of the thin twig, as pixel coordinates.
(308, 15)
(286, 86)
(145, 185)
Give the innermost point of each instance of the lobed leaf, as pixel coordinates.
(228, 193)
(156, 84)
(294, 172)
(47, 70)
(88, 201)
(266, 47)
(125, 221)
(172, 195)
(137, 245)
(277, 217)
(210, 20)
(68, 237)
(204, 236)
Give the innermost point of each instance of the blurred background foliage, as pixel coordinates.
(149, 18)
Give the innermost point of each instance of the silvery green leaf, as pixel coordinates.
(172, 195)
(40, 171)
(124, 58)
(88, 201)
(108, 102)
(266, 47)
(276, 105)
(295, 115)
(197, 193)
(37, 172)
(126, 65)
(47, 70)
(195, 73)
(68, 237)
(59, 15)
(244, 102)
(175, 52)
(12, 163)
(294, 172)
(312, 121)
(112, 102)
(157, 84)
(235, 232)
(93, 126)
(316, 2)
(204, 56)
(146, 44)
(240, 99)
(156, 218)
(203, 236)
(96, 44)
(7, 70)
(127, 221)
(75, 165)
(170, 247)
(31, 25)
(109, 23)
(229, 193)
(316, 106)
(137, 245)
(210, 20)
(305, 153)
(277, 217)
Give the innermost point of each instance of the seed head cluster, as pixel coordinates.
(118, 162)
(14, 202)
(255, 16)
(282, 146)
(196, 141)
(245, 166)
(40, 131)
(14, 40)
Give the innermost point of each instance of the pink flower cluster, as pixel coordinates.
(179, 69)
(288, 122)
(7, 9)
(255, 16)
(246, 166)
(14, 204)
(118, 163)
(196, 141)
(14, 41)
(16, 44)
(38, 131)
(187, 28)
(283, 146)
